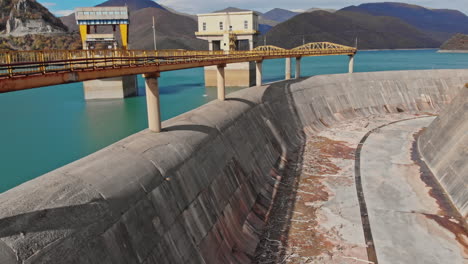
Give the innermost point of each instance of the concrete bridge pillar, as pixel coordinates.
(221, 82)
(258, 67)
(111, 88)
(152, 100)
(288, 69)
(351, 63)
(298, 68)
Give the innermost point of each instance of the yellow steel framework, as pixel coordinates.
(21, 70)
(268, 48)
(321, 46)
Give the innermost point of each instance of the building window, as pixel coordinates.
(230, 28)
(221, 26)
(246, 24)
(204, 26)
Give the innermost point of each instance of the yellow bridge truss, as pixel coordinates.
(29, 69)
(322, 46)
(268, 48)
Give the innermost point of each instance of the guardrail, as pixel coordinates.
(21, 63)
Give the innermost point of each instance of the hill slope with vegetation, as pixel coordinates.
(441, 24)
(344, 27)
(456, 43)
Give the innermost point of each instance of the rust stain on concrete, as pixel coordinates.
(318, 153)
(302, 236)
(448, 216)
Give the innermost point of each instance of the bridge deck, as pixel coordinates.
(31, 69)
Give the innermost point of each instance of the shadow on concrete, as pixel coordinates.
(252, 104)
(61, 218)
(198, 128)
(274, 239)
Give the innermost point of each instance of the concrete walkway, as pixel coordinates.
(404, 216)
(317, 218)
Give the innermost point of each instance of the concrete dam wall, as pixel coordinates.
(444, 146)
(201, 191)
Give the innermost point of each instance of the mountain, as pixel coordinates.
(22, 17)
(231, 9)
(264, 28)
(133, 5)
(264, 24)
(439, 23)
(457, 42)
(194, 17)
(343, 27)
(279, 15)
(313, 9)
(173, 31)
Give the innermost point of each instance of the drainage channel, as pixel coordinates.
(371, 252)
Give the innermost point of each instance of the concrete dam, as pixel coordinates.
(347, 168)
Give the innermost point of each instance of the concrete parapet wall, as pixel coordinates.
(199, 192)
(444, 146)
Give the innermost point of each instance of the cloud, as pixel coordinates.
(65, 12)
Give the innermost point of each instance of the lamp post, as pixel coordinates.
(154, 35)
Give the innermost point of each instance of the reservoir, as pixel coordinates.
(46, 128)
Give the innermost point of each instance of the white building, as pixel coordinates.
(230, 31)
(216, 28)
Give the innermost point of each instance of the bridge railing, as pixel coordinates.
(31, 62)
(20, 63)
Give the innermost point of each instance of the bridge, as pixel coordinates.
(21, 70)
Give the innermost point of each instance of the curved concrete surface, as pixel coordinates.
(444, 146)
(404, 217)
(377, 157)
(201, 191)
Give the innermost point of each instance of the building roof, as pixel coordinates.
(230, 13)
(102, 13)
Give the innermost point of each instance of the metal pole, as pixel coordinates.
(154, 35)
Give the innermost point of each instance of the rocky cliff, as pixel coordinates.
(22, 17)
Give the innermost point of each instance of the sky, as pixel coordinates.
(65, 7)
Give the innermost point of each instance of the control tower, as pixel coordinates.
(88, 20)
(230, 31)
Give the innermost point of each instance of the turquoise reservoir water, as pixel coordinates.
(43, 129)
